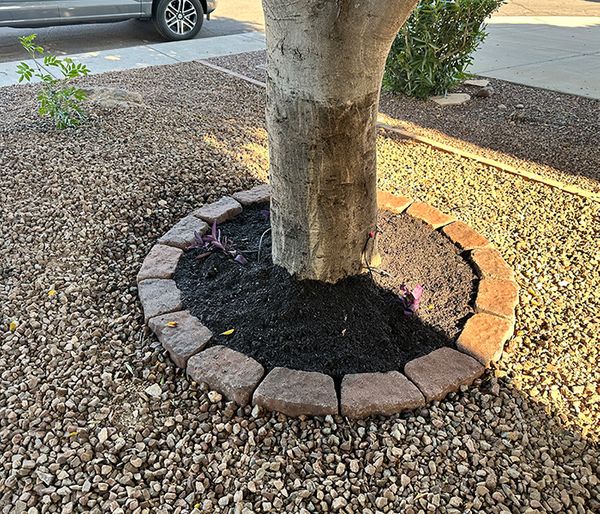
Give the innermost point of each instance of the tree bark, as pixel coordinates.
(325, 62)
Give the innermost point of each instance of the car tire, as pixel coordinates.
(177, 20)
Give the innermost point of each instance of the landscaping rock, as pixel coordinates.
(484, 92)
(464, 236)
(429, 215)
(181, 235)
(442, 371)
(479, 83)
(225, 370)
(258, 194)
(159, 296)
(295, 393)
(153, 390)
(366, 394)
(110, 97)
(488, 263)
(222, 210)
(451, 99)
(392, 203)
(181, 334)
(498, 297)
(484, 337)
(160, 262)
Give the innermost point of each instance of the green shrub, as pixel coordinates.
(58, 99)
(434, 47)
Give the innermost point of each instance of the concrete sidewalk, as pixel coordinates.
(561, 53)
(154, 54)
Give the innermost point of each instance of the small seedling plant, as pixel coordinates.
(58, 99)
(216, 242)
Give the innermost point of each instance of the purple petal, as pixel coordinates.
(198, 237)
(240, 259)
(214, 229)
(418, 292)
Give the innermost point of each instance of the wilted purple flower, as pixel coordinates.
(410, 300)
(216, 242)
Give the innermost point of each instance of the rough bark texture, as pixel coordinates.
(325, 62)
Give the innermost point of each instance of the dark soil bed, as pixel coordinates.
(357, 325)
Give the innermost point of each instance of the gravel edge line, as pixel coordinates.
(295, 393)
(527, 175)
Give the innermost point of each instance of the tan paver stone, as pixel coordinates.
(294, 393)
(222, 210)
(484, 337)
(181, 235)
(429, 214)
(464, 236)
(442, 371)
(181, 334)
(258, 194)
(489, 263)
(498, 297)
(367, 394)
(159, 296)
(232, 373)
(160, 262)
(392, 203)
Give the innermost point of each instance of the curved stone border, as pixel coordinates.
(292, 392)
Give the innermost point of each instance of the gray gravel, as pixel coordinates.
(95, 418)
(545, 132)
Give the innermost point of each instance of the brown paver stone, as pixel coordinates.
(442, 371)
(258, 194)
(484, 337)
(464, 236)
(429, 214)
(232, 373)
(159, 296)
(160, 262)
(222, 210)
(489, 263)
(297, 392)
(181, 234)
(367, 394)
(392, 203)
(181, 334)
(498, 297)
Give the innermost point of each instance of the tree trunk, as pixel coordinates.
(325, 61)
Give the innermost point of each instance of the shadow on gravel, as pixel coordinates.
(540, 127)
(75, 372)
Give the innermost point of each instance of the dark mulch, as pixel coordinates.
(354, 326)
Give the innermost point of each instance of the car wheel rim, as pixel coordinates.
(181, 16)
